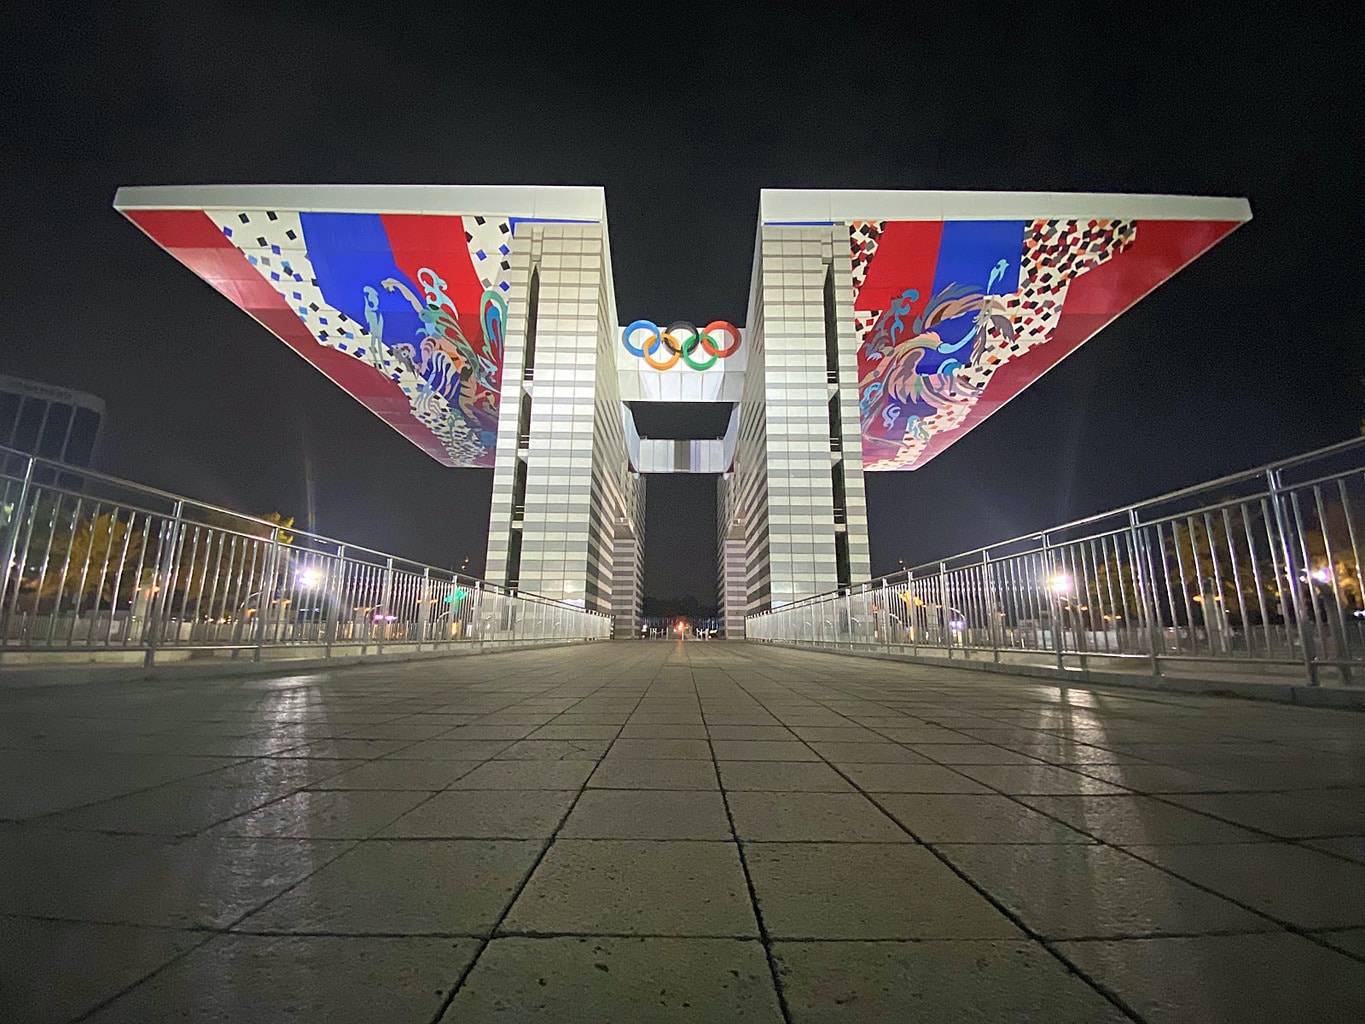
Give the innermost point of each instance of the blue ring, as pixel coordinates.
(639, 353)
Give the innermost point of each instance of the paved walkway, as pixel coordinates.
(675, 832)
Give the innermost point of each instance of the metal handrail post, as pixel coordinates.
(164, 576)
(382, 610)
(943, 608)
(1055, 605)
(424, 609)
(1291, 573)
(993, 624)
(1140, 582)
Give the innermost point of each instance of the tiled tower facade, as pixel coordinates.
(564, 490)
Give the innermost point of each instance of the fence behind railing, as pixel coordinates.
(1259, 569)
(95, 563)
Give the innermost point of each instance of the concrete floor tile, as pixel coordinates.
(345, 749)
(910, 778)
(175, 810)
(1037, 780)
(762, 750)
(396, 775)
(875, 891)
(586, 886)
(782, 777)
(1157, 778)
(554, 750)
(954, 818)
(1306, 888)
(1352, 941)
(1245, 978)
(898, 982)
(672, 749)
(300, 979)
(483, 814)
(323, 814)
(663, 980)
(450, 749)
(1138, 820)
(837, 734)
(1085, 891)
(679, 717)
(636, 730)
(554, 731)
(175, 883)
(811, 817)
(652, 773)
(1302, 815)
(397, 887)
(751, 732)
(915, 734)
(648, 814)
(526, 775)
(270, 773)
(970, 753)
(867, 753)
(1352, 847)
(52, 972)
(40, 782)
(488, 731)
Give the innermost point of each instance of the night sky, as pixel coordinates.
(1256, 351)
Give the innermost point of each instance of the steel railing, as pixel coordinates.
(1260, 568)
(92, 563)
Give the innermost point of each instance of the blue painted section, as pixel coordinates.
(975, 257)
(350, 253)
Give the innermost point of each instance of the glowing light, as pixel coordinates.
(308, 579)
(1060, 584)
(1322, 575)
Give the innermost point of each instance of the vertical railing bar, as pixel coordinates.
(1351, 533)
(1283, 584)
(46, 560)
(1260, 580)
(1331, 572)
(62, 573)
(1237, 584)
(85, 574)
(104, 575)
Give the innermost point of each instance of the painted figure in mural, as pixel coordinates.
(443, 357)
(915, 358)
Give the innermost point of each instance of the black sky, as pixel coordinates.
(1255, 352)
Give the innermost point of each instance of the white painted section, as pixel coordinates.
(839, 205)
(567, 202)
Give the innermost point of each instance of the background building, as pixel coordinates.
(55, 423)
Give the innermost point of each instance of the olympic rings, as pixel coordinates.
(681, 341)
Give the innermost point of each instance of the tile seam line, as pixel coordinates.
(1280, 924)
(349, 846)
(487, 939)
(1104, 992)
(763, 936)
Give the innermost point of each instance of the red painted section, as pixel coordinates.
(193, 239)
(906, 257)
(1093, 300)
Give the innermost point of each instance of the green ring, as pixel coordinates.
(695, 343)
